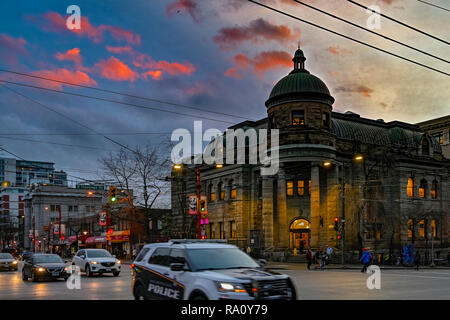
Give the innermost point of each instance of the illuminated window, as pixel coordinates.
(423, 188)
(422, 228)
(434, 190)
(410, 228)
(221, 191)
(290, 188)
(439, 137)
(221, 234)
(212, 234)
(232, 229)
(298, 118)
(433, 228)
(232, 190)
(309, 186)
(212, 195)
(410, 187)
(301, 187)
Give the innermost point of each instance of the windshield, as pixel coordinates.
(212, 259)
(47, 258)
(98, 254)
(6, 256)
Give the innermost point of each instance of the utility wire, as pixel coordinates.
(431, 4)
(114, 101)
(85, 134)
(399, 22)
(349, 38)
(371, 31)
(122, 93)
(77, 122)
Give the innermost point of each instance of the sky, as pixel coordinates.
(218, 55)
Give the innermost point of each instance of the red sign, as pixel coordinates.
(102, 218)
(193, 205)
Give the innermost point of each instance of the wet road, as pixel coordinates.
(106, 287)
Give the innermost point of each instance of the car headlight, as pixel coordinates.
(14, 262)
(94, 262)
(118, 262)
(65, 268)
(230, 287)
(40, 269)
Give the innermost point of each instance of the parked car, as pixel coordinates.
(96, 261)
(44, 266)
(204, 270)
(8, 262)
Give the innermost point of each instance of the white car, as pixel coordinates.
(204, 270)
(96, 261)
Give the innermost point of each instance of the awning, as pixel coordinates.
(81, 237)
(119, 236)
(93, 240)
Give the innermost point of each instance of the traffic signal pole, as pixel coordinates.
(199, 189)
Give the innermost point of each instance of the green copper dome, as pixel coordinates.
(299, 85)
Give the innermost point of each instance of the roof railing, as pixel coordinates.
(177, 241)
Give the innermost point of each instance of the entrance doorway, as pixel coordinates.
(300, 234)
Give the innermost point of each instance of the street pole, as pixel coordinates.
(432, 248)
(59, 215)
(107, 224)
(199, 189)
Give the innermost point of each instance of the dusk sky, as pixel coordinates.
(219, 55)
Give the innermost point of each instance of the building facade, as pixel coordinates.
(386, 183)
(439, 128)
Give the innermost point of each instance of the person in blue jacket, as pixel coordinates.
(365, 259)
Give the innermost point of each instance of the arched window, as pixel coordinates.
(425, 146)
(211, 194)
(422, 229)
(410, 187)
(232, 190)
(221, 191)
(410, 228)
(434, 190)
(434, 228)
(423, 188)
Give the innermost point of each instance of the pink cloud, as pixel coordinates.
(156, 75)
(11, 48)
(70, 55)
(54, 22)
(257, 31)
(144, 61)
(120, 50)
(189, 6)
(63, 74)
(338, 51)
(114, 69)
(261, 63)
(360, 89)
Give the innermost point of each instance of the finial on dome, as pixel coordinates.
(299, 59)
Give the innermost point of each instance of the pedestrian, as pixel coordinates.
(417, 260)
(323, 258)
(317, 258)
(329, 252)
(309, 257)
(365, 259)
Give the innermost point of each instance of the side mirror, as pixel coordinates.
(114, 255)
(262, 262)
(177, 266)
(83, 257)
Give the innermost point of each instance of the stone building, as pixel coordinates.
(388, 181)
(439, 128)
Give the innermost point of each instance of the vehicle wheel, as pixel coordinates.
(33, 277)
(24, 277)
(88, 271)
(199, 296)
(116, 274)
(139, 293)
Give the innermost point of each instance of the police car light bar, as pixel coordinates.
(175, 241)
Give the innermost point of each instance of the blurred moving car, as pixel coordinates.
(96, 261)
(205, 270)
(7, 261)
(26, 255)
(44, 266)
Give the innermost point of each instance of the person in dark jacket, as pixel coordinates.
(309, 257)
(417, 260)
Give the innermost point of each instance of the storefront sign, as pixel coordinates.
(102, 218)
(193, 205)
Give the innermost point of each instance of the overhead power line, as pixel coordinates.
(115, 101)
(371, 31)
(75, 121)
(349, 38)
(123, 94)
(399, 22)
(85, 134)
(432, 4)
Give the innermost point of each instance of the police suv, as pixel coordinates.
(204, 270)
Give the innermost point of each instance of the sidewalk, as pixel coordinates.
(296, 265)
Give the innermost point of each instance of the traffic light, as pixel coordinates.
(336, 224)
(203, 206)
(112, 194)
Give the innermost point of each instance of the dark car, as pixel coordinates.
(26, 255)
(44, 266)
(8, 262)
